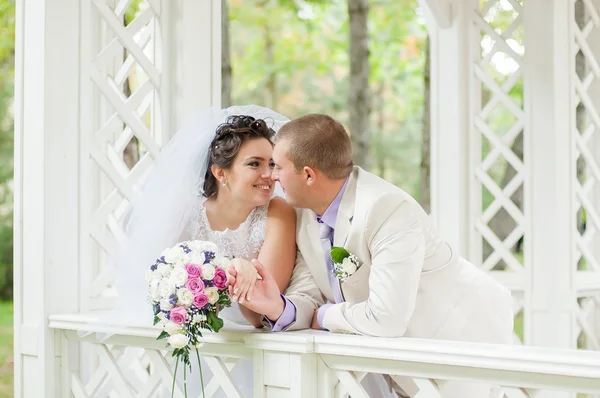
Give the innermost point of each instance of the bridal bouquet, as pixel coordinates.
(187, 287)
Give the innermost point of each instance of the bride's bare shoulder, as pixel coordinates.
(279, 208)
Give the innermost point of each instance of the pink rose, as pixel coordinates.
(220, 278)
(193, 270)
(178, 315)
(200, 300)
(195, 285)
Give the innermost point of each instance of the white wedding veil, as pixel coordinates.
(159, 216)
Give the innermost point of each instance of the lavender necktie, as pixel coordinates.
(326, 232)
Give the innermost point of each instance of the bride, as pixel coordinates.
(213, 182)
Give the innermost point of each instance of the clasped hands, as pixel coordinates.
(241, 279)
(251, 285)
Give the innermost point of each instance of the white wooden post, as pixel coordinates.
(549, 313)
(193, 63)
(291, 373)
(46, 187)
(594, 93)
(450, 123)
(593, 288)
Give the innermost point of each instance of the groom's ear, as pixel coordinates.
(309, 175)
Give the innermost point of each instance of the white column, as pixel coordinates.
(450, 124)
(594, 94)
(193, 40)
(291, 374)
(549, 62)
(46, 187)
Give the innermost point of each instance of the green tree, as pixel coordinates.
(311, 63)
(7, 57)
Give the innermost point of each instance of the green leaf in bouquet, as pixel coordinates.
(338, 254)
(224, 300)
(156, 320)
(214, 321)
(162, 335)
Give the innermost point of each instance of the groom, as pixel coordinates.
(409, 281)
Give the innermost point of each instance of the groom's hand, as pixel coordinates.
(315, 321)
(266, 297)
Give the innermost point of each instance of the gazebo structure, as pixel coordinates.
(73, 120)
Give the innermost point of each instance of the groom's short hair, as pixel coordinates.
(318, 141)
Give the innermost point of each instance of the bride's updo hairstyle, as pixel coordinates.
(229, 138)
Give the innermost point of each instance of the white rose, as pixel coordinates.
(198, 318)
(197, 258)
(222, 262)
(162, 319)
(185, 297)
(156, 276)
(172, 254)
(149, 276)
(182, 260)
(165, 304)
(154, 290)
(172, 328)
(348, 266)
(208, 272)
(167, 288)
(212, 293)
(178, 340)
(195, 245)
(200, 245)
(179, 276)
(164, 269)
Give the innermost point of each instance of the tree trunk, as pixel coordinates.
(226, 72)
(359, 102)
(426, 147)
(131, 153)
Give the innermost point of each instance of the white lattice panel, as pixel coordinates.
(497, 136)
(349, 385)
(125, 75)
(586, 137)
(143, 372)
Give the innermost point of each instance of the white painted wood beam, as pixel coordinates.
(442, 11)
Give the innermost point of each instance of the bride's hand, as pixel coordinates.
(245, 279)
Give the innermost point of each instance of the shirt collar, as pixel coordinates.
(330, 215)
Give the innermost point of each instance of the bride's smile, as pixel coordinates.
(264, 187)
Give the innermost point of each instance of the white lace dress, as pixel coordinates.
(243, 242)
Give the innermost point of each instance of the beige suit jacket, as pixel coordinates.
(410, 283)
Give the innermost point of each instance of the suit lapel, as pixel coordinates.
(345, 211)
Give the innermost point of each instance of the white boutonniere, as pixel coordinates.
(344, 263)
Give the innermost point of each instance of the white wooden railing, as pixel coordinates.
(128, 361)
